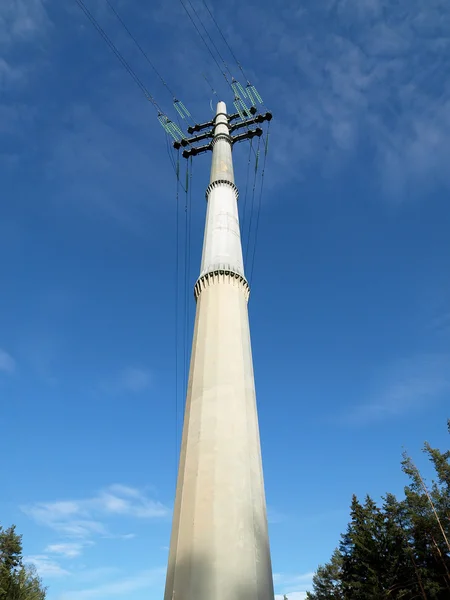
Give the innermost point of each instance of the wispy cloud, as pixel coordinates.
(141, 581)
(22, 20)
(7, 363)
(410, 385)
(46, 566)
(129, 380)
(358, 76)
(85, 518)
(67, 549)
(274, 515)
(293, 586)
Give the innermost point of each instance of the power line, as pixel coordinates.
(252, 203)
(210, 38)
(244, 209)
(119, 56)
(259, 202)
(188, 261)
(142, 51)
(177, 260)
(185, 286)
(205, 42)
(225, 39)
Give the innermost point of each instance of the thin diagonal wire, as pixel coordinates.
(240, 67)
(244, 206)
(204, 41)
(188, 258)
(210, 38)
(252, 205)
(119, 56)
(185, 297)
(172, 162)
(177, 291)
(259, 204)
(140, 48)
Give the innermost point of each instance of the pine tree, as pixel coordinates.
(361, 548)
(17, 582)
(327, 580)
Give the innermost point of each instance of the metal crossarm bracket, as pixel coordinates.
(257, 119)
(190, 143)
(193, 128)
(196, 150)
(253, 110)
(247, 135)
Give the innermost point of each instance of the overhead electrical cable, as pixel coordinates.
(244, 207)
(252, 203)
(210, 38)
(181, 109)
(177, 292)
(140, 48)
(119, 56)
(250, 91)
(188, 261)
(266, 148)
(240, 67)
(205, 42)
(185, 284)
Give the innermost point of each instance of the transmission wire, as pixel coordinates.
(177, 292)
(142, 51)
(204, 41)
(119, 56)
(244, 208)
(175, 167)
(253, 203)
(210, 38)
(225, 40)
(260, 202)
(185, 287)
(188, 259)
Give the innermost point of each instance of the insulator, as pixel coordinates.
(250, 95)
(255, 92)
(238, 108)
(245, 107)
(163, 120)
(178, 108)
(241, 90)
(173, 132)
(178, 130)
(182, 106)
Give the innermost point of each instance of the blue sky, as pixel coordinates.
(350, 304)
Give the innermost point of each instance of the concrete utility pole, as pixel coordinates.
(219, 548)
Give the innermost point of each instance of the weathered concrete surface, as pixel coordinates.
(219, 548)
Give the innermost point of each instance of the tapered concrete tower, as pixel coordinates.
(219, 549)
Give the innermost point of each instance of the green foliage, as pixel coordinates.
(399, 551)
(17, 582)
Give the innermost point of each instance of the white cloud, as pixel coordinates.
(45, 566)
(291, 596)
(132, 380)
(85, 518)
(274, 516)
(141, 581)
(22, 20)
(354, 76)
(135, 379)
(293, 586)
(67, 550)
(409, 385)
(7, 363)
